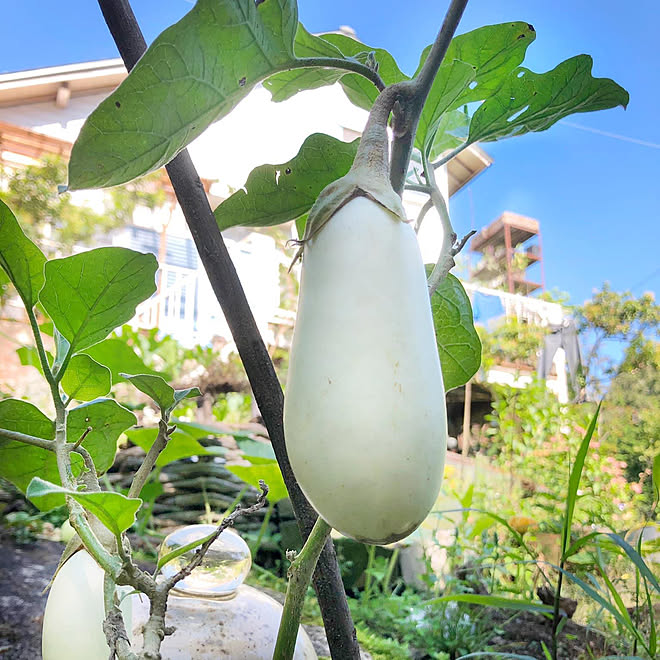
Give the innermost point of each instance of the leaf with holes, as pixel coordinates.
(194, 73)
(20, 258)
(114, 510)
(528, 101)
(85, 379)
(107, 420)
(458, 342)
(274, 194)
(89, 294)
(451, 130)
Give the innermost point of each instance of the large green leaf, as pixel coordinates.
(20, 258)
(195, 72)
(458, 342)
(286, 84)
(494, 51)
(180, 445)
(358, 89)
(85, 379)
(163, 394)
(528, 101)
(450, 82)
(89, 294)
(118, 356)
(274, 194)
(20, 462)
(114, 510)
(200, 431)
(108, 420)
(266, 471)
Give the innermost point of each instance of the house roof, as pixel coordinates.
(60, 83)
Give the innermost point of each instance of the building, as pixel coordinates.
(42, 111)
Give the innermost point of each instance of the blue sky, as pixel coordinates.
(597, 197)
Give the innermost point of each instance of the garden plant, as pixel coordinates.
(467, 89)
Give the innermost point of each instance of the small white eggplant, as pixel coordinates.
(73, 620)
(364, 413)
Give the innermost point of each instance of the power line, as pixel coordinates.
(646, 279)
(616, 136)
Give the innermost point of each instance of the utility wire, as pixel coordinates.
(616, 136)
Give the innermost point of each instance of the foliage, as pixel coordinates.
(511, 341)
(631, 415)
(56, 220)
(610, 316)
(535, 437)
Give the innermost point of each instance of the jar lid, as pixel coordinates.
(225, 565)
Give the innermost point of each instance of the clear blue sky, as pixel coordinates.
(597, 197)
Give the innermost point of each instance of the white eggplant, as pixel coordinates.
(74, 615)
(364, 412)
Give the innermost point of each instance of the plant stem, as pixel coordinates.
(300, 573)
(254, 355)
(149, 461)
(405, 122)
(336, 63)
(28, 439)
(447, 157)
(43, 359)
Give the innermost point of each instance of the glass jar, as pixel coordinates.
(215, 615)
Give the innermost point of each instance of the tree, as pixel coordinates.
(56, 222)
(614, 317)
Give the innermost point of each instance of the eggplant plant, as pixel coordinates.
(376, 345)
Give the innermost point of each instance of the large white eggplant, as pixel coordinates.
(364, 413)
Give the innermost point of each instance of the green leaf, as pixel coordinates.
(62, 347)
(451, 130)
(199, 431)
(118, 356)
(163, 394)
(85, 379)
(108, 420)
(194, 73)
(274, 194)
(114, 510)
(256, 452)
(450, 82)
(359, 90)
(574, 482)
(268, 472)
(494, 51)
(180, 445)
(29, 357)
(458, 342)
(493, 601)
(286, 84)
(655, 477)
(528, 101)
(20, 258)
(89, 294)
(19, 462)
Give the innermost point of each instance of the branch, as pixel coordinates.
(299, 575)
(254, 355)
(150, 459)
(406, 120)
(28, 439)
(336, 63)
